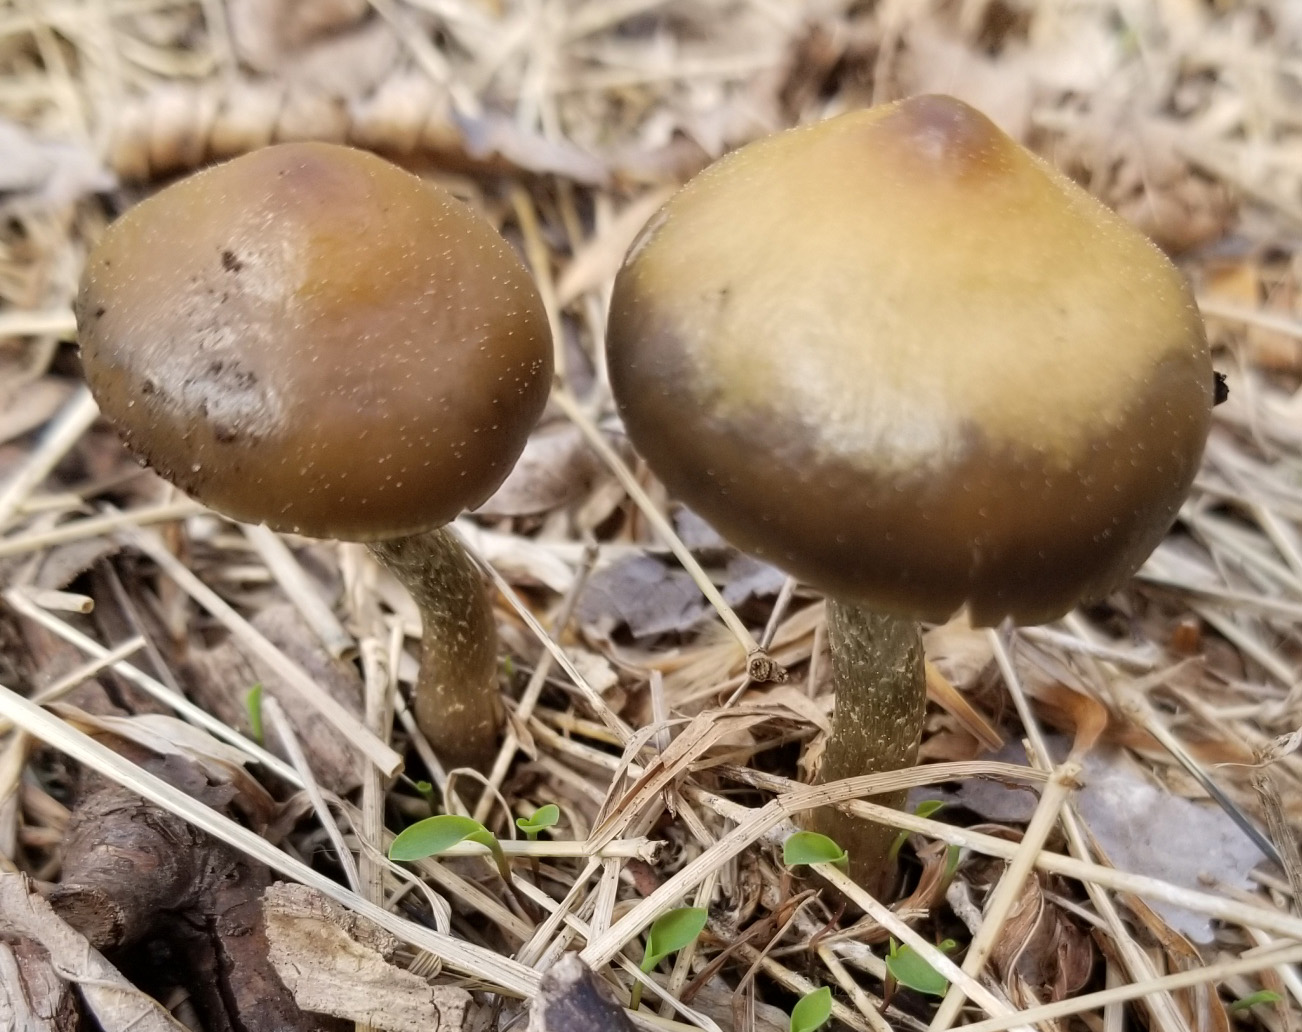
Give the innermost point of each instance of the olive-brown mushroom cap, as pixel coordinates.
(312, 338)
(910, 363)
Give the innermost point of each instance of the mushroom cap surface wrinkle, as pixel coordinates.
(901, 357)
(312, 338)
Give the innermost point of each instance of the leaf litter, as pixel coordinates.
(1104, 884)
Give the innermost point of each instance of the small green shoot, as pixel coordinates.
(253, 704)
(1262, 996)
(809, 847)
(542, 818)
(436, 835)
(952, 855)
(924, 809)
(426, 790)
(811, 1011)
(912, 972)
(669, 933)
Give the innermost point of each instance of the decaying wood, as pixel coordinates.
(33, 997)
(337, 963)
(135, 874)
(110, 999)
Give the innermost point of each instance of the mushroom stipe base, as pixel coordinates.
(881, 697)
(457, 704)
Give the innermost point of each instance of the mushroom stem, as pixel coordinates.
(456, 696)
(881, 697)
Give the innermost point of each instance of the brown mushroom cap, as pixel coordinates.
(904, 359)
(309, 337)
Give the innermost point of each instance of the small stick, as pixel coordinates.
(63, 431)
(380, 753)
(299, 588)
(1009, 889)
(276, 718)
(95, 526)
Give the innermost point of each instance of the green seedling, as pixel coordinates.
(809, 847)
(912, 972)
(1262, 996)
(542, 818)
(811, 1011)
(435, 835)
(924, 809)
(426, 790)
(253, 704)
(669, 933)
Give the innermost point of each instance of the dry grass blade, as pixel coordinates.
(380, 753)
(568, 125)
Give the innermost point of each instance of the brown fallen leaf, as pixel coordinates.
(556, 468)
(1041, 954)
(647, 596)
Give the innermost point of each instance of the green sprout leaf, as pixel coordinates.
(669, 933)
(912, 972)
(435, 835)
(809, 847)
(924, 809)
(1253, 1000)
(253, 703)
(812, 1010)
(952, 855)
(542, 818)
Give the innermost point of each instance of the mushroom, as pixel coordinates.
(312, 338)
(910, 363)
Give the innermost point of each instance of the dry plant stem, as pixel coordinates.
(456, 697)
(881, 696)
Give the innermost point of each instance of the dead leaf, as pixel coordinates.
(33, 997)
(1145, 829)
(789, 697)
(644, 594)
(1200, 1003)
(747, 577)
(1040, 953)
(702, 540)
(63, 564)
(520, 560)
(164, 735)
(336, 963)
(27, 404)
(598, 258)
(221, 677)
(992, 800)
(572, 999)
(943, 693)
(556, 468)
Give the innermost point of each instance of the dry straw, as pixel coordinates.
(672, 759)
